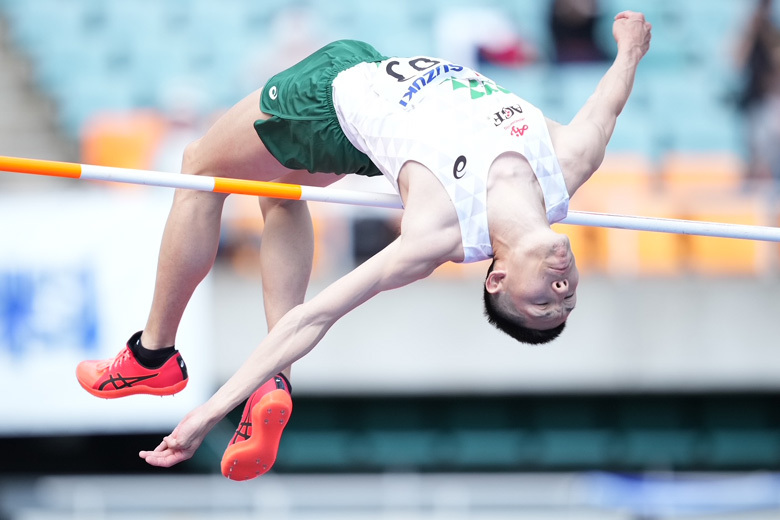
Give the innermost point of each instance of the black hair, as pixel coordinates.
(513, 325)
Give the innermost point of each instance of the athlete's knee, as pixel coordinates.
(196, 162)
(271, 205)
(193, 162)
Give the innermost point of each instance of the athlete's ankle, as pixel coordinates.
(285, 381)
(146, 357)
(152, 341)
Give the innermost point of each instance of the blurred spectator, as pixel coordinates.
(573, 26)
(758, 57)
(470, 36)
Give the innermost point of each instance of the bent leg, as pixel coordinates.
(287, 250)
(230, 148)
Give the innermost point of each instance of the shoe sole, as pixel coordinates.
(256, 455)
(122, 392)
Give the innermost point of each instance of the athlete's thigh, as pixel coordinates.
(310, 179)
(232, 148)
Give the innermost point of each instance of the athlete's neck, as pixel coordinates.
(515, 203)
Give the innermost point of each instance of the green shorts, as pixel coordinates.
(304, 132)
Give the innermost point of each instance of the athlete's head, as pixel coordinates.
(530, 293)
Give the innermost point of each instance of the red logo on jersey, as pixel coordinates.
(519, 131)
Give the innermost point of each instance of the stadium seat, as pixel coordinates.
(709, 187)
(495, 448)
(722, 256)
(622, 181)
(743, 448)
(124, 140)
(532, 21)
(659, 449)
(634, 132)
(312, 449)
(190, 34)
(741, 433)
(402, 448)
(575, 83)
(696, 174)
(659, 254)
(621, 177)
(571, 448)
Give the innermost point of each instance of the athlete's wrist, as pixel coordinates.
(629, 54)
(214, 410)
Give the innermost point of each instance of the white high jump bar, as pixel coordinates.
(361, 198)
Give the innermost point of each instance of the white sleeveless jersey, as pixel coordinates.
(455, 122)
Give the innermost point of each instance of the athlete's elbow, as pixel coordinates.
(309, 319)
(298, 332)
(583, 159)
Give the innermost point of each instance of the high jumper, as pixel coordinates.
(482, 175)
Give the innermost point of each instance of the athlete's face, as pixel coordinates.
(543, 287)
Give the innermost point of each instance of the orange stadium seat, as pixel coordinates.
(686, 173)
(659, 254)
(622, 182)
(721, 256)
(620, 176)
(709, 187)
(123, 140)
(639, 253)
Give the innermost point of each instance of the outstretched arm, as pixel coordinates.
(293, 337)
(580, 145)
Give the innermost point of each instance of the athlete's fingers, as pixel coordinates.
(165, 458)
(155, 459)
(169, 452)
(170, 442)
(146, 455)
(159, 449)
(162, 446)
(629, 14)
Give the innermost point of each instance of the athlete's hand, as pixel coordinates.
(181, 444)
(632, 31)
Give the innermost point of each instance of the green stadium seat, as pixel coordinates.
(656, 449)
(402, 449)
(491, 448)
(745, 448)
(326, 449)
(575, 448)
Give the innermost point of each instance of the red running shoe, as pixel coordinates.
(252, 451)
(124, 375)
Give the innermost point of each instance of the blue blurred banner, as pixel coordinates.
(77, 273)
(51, 308)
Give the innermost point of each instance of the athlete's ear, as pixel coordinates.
(495, 281)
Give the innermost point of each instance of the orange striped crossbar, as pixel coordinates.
(40, 167)
(260, 188)
(385, 200)
(199, 182)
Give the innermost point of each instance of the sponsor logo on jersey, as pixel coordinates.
(477, 88)
(420, 72)
(506, 113)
